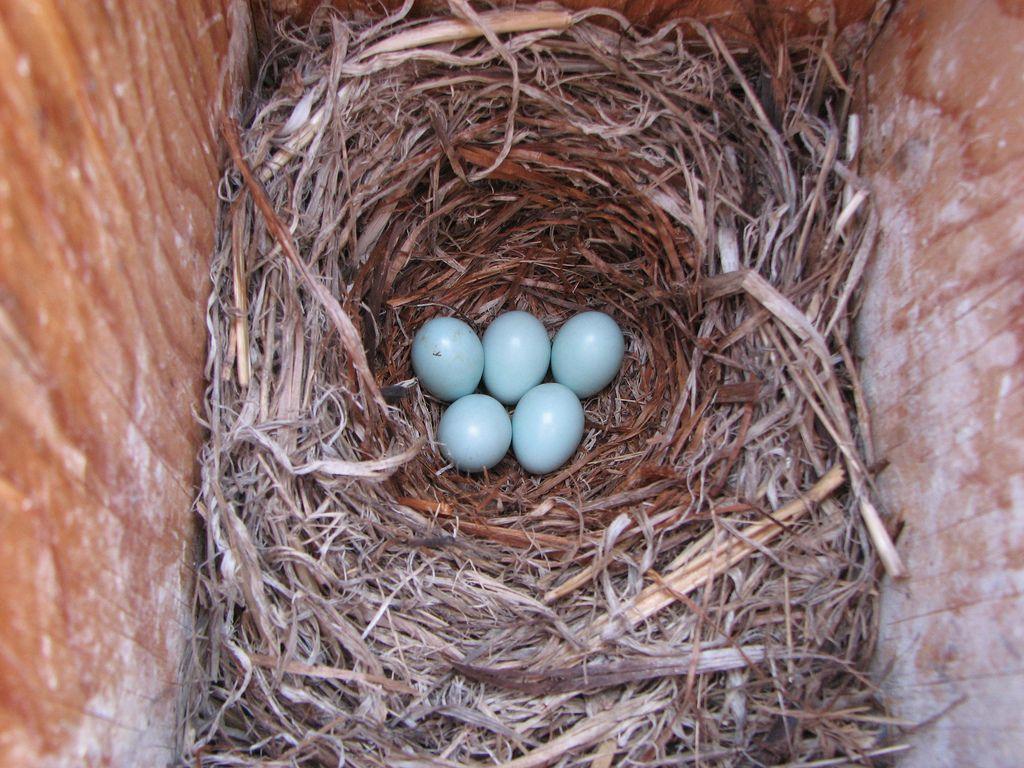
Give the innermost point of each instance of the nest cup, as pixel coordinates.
(703, 556)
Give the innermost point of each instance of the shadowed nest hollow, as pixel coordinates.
(698, 583)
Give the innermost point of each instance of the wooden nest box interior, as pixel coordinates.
(110, 158)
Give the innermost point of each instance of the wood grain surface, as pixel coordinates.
(108, 166)
(942, 336)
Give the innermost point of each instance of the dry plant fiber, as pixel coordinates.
(697, 586)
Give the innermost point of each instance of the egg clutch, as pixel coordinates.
(513, 359)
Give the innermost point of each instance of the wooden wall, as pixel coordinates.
(942, 336)
(108, 165)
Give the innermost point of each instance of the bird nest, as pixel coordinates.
(698, 583)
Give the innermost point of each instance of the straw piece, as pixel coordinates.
(894, 749)
(620, 537)
(789, 315)
(797, 322)
(713, 559)
(238, 283)
(346, 330)
(330, 673)
(604, 755)
(495, 22)
(590, 677)
(509, 536)
(499, 22)
(584, 734)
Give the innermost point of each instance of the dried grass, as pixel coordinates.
(698, 585)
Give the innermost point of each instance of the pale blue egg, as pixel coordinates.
(587, 353)
(516, 355)
(547, 427)
(448, 358)
(474, 433)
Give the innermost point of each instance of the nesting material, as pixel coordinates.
(698, 584)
